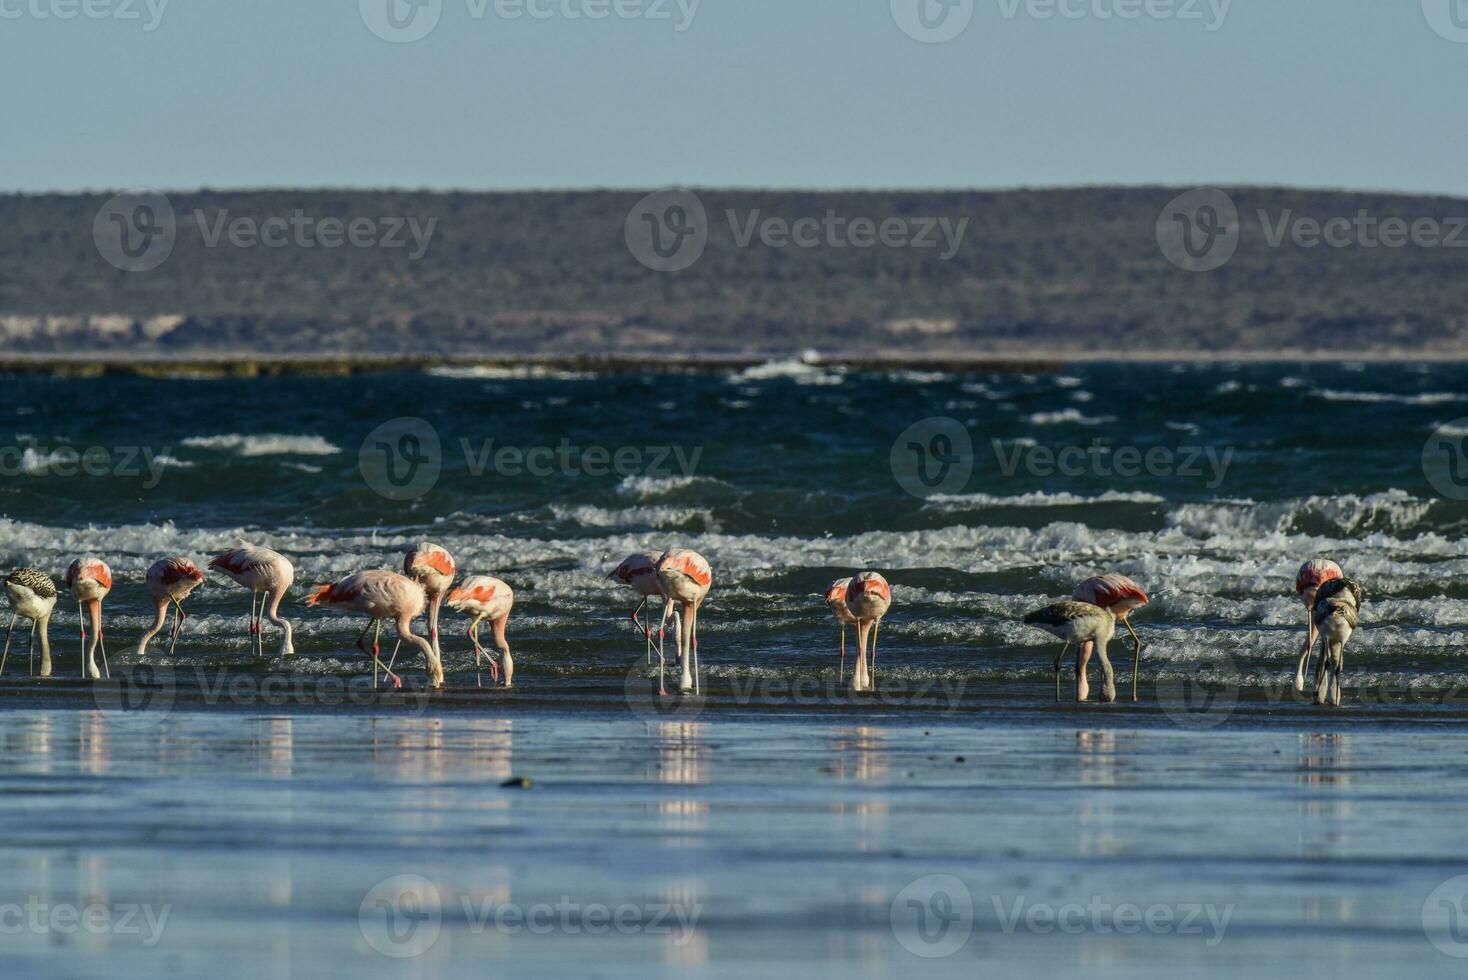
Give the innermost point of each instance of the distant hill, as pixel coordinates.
(1034, 272)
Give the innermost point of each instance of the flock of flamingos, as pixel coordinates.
(680, 578)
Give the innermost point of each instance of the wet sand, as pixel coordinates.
(1070, 841)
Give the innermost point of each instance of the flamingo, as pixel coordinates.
(32, 596)
(89, 580)
(380, 595)
(868, 597)
(836, 602)
(640, 571)
(486, 597)
(261, 571)
(1079, 622)
(684, 576)
(1337, 605)
(433, 568)
(1120, 595)
(170, 580)
(1312, 575)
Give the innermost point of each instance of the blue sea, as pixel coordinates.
(957, 821)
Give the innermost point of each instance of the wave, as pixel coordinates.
(1381, 397)
(1039, 498)
(800, 371)
(490, 372)
(1068, 416)
(264, 445)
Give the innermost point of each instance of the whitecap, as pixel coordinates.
(271, 444)
(1068, 415)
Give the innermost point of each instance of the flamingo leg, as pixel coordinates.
(1136, 655)
(394, 658)
(178, 620)
(693, 640)
(1059, 657)
(81, 618)
(397, 681)
(876, 628)
(30, 648)
(6, 655)
(645, 627)
(841, 676)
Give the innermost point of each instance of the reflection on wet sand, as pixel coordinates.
(682, 761)
(1096, 763)
(858, 754)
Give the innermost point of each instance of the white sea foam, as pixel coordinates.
(1068, 415)
(264, 445)
(800, 371)
(490, 372)
(652, 487)
(1381, 397)
(1039, 498)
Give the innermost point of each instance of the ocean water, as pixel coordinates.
(253, 816)
(783, 477)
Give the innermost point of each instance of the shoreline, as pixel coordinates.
(237, 365)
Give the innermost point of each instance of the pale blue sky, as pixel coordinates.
(787, 93)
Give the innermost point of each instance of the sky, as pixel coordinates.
(517, 94)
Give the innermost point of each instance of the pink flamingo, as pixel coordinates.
(640, 571)
(486, 597)
(685, 577)
(433, 568)
(380, 595)
(1079, 622)
(836, 602)
(170, 580)
(1119, 595)
(261, 571)
(89, 580)
(1312, 575)
(868, 597)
